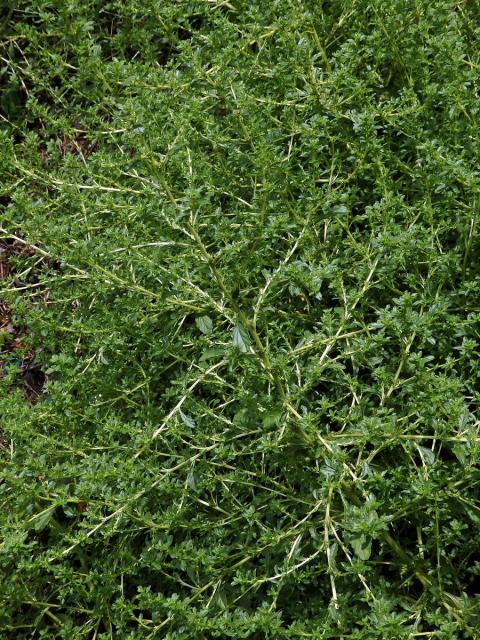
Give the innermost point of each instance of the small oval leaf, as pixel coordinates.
(205, 324)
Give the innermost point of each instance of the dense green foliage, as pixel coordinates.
(259, 319)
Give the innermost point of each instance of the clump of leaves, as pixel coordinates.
(261, 341)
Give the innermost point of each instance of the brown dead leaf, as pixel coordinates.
(4, 270)
(81, 506)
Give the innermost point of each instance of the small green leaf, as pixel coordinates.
(187, 420)
(427, 454)
(460, 452)
(333, 610)
(205, 324)
(362, 547)
(241, 338)
(272, 417)
(192, 483)
(40, 520)
(208, 354)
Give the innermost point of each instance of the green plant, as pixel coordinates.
(254, 288)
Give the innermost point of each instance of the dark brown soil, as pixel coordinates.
(13, 351)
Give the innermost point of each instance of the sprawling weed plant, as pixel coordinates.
(253, 281)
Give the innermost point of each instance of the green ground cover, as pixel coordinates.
(241, 242)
